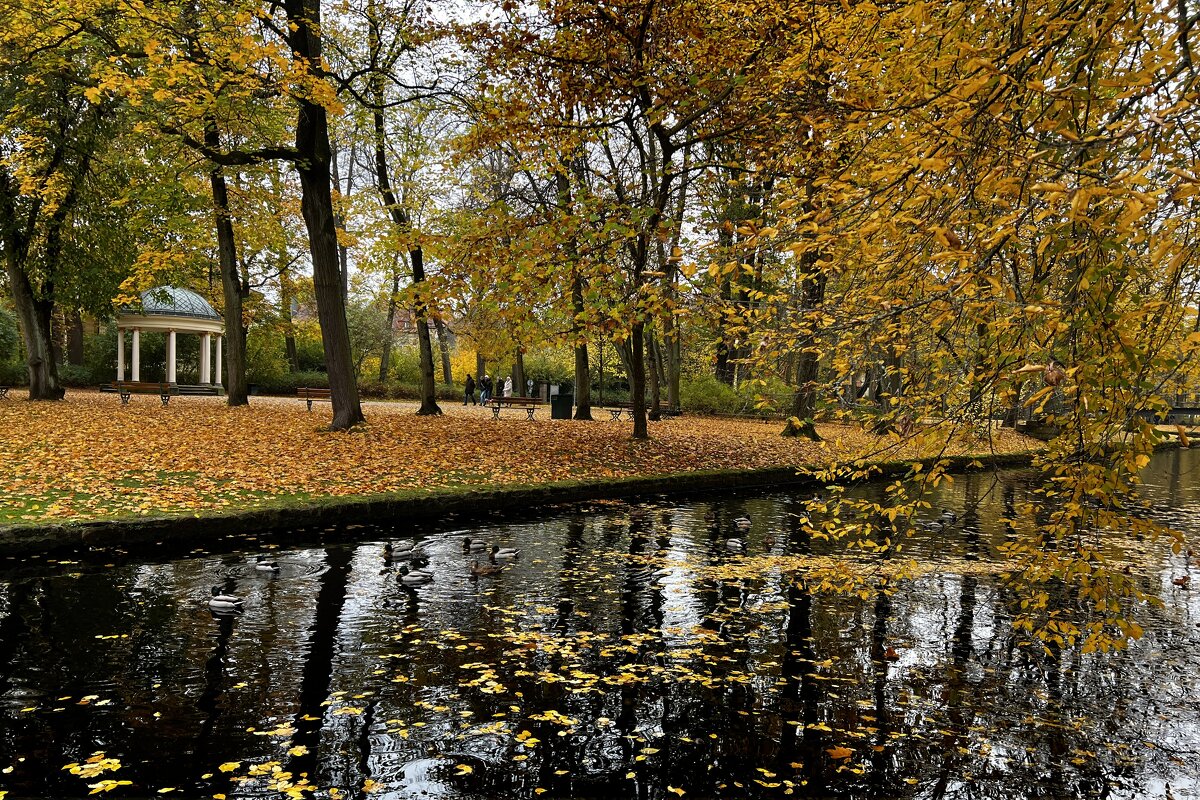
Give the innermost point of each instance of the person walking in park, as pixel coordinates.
(469, 390)
(508, 386)
(485, 389)
(529, 387)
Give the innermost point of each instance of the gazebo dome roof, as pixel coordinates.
(173, 301)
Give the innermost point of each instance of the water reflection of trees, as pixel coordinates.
(925, 681)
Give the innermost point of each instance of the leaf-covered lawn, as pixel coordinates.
(89, 457)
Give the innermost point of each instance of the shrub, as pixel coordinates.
(14, 374)
(709, 395)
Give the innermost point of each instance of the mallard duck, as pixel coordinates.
(473, 545)
(743, 523)
(478, 568)
(414, 577)
(736, 545)
(503, 553)
(224, 602)
(947, 517)
(408, 549)
(261, 564)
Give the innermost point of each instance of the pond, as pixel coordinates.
(624, 653)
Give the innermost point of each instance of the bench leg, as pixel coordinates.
(530, 411)
(495, 412)
(3, 392)
(166, 398)
(124, 398)
(309, 405)
(616, 413)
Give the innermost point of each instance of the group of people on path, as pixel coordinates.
(485, 389)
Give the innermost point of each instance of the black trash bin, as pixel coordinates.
(560, 406)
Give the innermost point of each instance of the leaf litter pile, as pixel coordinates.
(89, 457)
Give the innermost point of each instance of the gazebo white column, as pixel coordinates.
(137, 355)
(205, 353)
(170, 356)
(120, 354)
(219, 381)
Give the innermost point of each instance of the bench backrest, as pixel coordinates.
(307, 393)
(145, 386)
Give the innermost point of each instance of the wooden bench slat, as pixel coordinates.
(310, 395)
(530, 404)
(163, 389)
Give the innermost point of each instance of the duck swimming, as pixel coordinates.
(736, 545)
(743, 523)
(485, 569)
(502, 553)
(414, 578)
(473, 545)
(224, 602)
(262, 565)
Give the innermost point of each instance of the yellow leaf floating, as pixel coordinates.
(840, 752)
(465, 769)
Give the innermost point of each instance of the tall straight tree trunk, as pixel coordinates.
(385, 360)
(316, 204)
(339, 219)
(236, 389)
(655, 391)
(583, 376)
(75, 339)
(287, 291)
(804, 401)
(439, 327)
(480, 365)
(519, 373)
(583, 381)
(402, 222)
(637, 380)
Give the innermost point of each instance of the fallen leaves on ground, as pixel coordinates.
(90, 457)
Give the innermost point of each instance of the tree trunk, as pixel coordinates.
(316, 204)
(385, 360)
(402, 222)
(804, 401)
(444, 348)
(34, 316)
(75, 339)
(637, 380)
(236, 389)
(286, 293)
(480, 366)
(655, 392)
(429, 406)
(519, 374)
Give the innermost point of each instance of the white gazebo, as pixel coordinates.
(172, 310)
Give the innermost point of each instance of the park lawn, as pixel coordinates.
(89, 457)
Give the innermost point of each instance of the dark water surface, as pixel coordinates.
(615, 658)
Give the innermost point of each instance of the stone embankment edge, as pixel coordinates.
(209, 527)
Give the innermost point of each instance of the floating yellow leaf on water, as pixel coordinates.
(676, 790)
(840, 752)
(298, 750)
(166, 790)
(371, 785)
(562, 772)
(107, 786)
(465, 769)
(229, 766)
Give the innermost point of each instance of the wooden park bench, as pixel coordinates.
(127, 389)
(530, 404)
(617, 406)
(311, 396)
